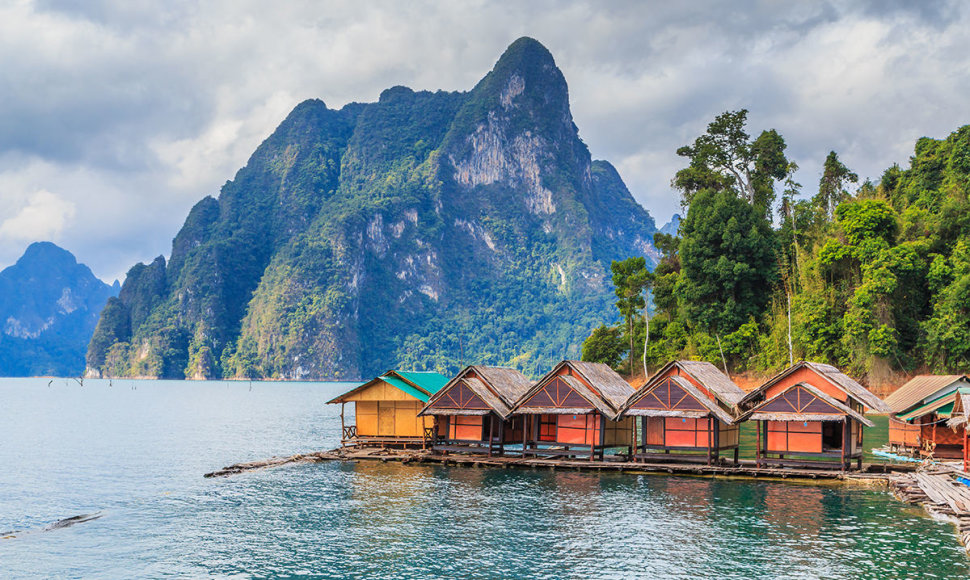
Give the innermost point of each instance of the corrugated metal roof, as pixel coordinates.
(420, 385)
(430, 382)
(942, 406)
(407, 388)
(921, 388)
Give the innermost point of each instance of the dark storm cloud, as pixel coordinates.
(117, 116)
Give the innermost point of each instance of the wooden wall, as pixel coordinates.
(385, 411)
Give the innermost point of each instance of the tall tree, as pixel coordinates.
(630, 278)
(832, 187)
(726, 158)
(728, 266)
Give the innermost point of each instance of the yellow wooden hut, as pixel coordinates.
(386, 409)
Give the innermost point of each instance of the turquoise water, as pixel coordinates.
(136, 452)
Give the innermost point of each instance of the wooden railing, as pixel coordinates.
(903, 434)
(350, 432)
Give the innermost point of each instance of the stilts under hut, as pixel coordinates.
(471, 413)
(688, 408)
(811, 415)
(387, 409)
(572, 412)
(918, 410)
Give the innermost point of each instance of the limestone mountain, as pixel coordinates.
(427, 230)
(49, 306)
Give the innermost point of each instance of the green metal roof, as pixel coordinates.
(407, 388)
(420, 385)
(943, 407)
(429, 382)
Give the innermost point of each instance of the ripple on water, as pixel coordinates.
(138, 455)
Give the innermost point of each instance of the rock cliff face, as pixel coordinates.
(49, 305)
(426, 230)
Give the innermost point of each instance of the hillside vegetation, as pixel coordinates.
(871, 277)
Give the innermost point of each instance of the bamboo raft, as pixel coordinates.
(938, 491)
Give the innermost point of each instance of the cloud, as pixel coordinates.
(42, 218)
(132, 111)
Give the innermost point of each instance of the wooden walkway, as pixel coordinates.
(745, 469)
(938, 491)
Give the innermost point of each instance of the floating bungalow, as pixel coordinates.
(810, 414)
(572, 412)
(472, 412)
(387, 407)
(688, 407)
(919, 408)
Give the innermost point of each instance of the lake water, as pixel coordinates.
(136, 451)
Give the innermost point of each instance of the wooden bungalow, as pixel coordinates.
(689, 407)
(918, 410)
(810, 414)
(960, 420)
(572, 411)
(387, 407)
(472, 412)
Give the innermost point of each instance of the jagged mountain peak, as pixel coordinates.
(390, 234)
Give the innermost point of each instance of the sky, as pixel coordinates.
(117, 117)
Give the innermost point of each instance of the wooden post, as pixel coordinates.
(633, 439)
(709, 436)
(716, 438)
(342, 422)
(525, 431)
(602, 421)
(845, 439)
(592, 443)
(757, 450)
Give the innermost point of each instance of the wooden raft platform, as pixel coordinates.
(938, 491)
(745, 469)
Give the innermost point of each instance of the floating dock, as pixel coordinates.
(744, 469)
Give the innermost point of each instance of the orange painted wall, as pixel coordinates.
(579, 429)
(466, 428)
(807, 375)
(794, 437)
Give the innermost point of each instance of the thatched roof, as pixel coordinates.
(498, 387)
(922, 389)
(961, 409)
(709, 376)
(604, 380)
(829, 373)
(758, 414)
(712, 407)
(606, 391)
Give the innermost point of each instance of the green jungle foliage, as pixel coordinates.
(426, 231)
(874, 280)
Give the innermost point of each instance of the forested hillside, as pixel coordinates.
(873, 276)
(425, 231)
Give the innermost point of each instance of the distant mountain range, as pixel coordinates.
(49, 306)
(672, 227)
(427, 231)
